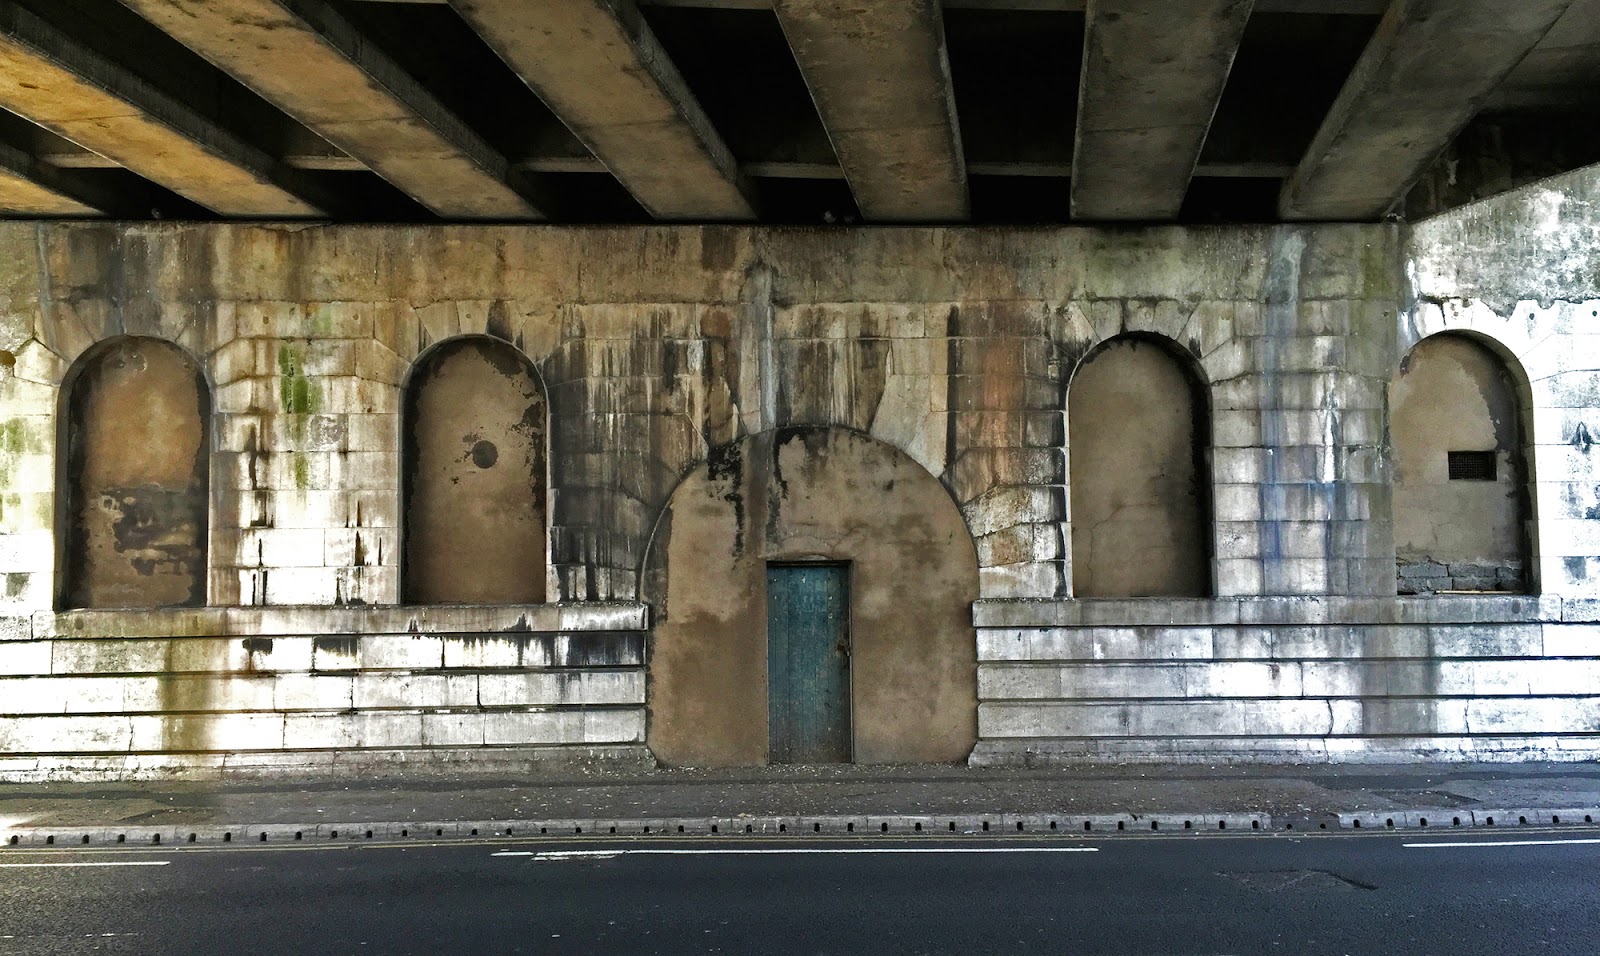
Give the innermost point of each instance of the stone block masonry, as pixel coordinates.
(132, 694)
(659, 349)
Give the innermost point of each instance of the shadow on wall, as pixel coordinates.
(800, 496)
(1461, 498)
(132, 523)
(474, 466)
(1138, 427)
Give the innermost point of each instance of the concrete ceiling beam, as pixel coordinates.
(304, 58)
(599, 67)
(880, 78)
(1428, 69)
(57, 83)
(29, 189)
(1153, 73)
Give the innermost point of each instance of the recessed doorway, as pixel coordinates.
(808, 663)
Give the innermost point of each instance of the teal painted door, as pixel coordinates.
(808, 663)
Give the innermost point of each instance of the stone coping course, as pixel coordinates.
(1311, 609)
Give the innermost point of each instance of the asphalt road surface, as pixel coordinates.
(1453, 894)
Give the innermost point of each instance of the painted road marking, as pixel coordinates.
(1476, 843)
(19, 866)
(783, 851)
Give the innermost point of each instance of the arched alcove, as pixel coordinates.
(760, 552)
(134, 472)
(474, 476)
(1461, 501)
(1138, 426)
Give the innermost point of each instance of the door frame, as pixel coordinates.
(849, 636)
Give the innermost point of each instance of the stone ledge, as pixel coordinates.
(347, 620)
(1166, 612)
(409, 763)
(1073, 752)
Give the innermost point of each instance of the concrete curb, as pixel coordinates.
(830, 825)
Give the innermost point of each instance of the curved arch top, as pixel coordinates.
(474, 475)
(812, 495)
(1138, 427)
(1462, 501)
(135, 467)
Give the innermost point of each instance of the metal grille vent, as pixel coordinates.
(1472, 466)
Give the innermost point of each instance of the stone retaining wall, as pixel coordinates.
(1272, 679)
(118, 694)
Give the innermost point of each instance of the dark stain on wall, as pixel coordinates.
(135, 476)
(474, 476)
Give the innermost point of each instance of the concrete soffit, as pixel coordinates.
(1153, 74)
(1406, 99)
(350, 93)
(59, 84)
(599, 67)
(880, 78)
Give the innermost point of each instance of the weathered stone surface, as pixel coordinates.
(951, 348)
(811, 494)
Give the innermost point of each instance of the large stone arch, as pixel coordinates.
(806, 494)
(134, 474)
(1138, 431)
(1463, 503)
(474, 461)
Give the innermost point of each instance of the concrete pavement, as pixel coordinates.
(813, 799)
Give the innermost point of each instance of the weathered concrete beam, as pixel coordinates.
(1153, 73)
(880, 78)
(61, 85)
(1427, 70)
(307, 60)
(601, 70)
(304, 151)
(26, 189)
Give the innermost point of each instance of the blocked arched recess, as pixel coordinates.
(473, 446)
(133, 471)
(1462, 483)
(803, 494)
(1138, 434)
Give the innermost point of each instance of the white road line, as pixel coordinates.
(18, 866)
(783, 851)
(1475, 843)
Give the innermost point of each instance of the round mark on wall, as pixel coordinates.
(7, 360)
(484, 454)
